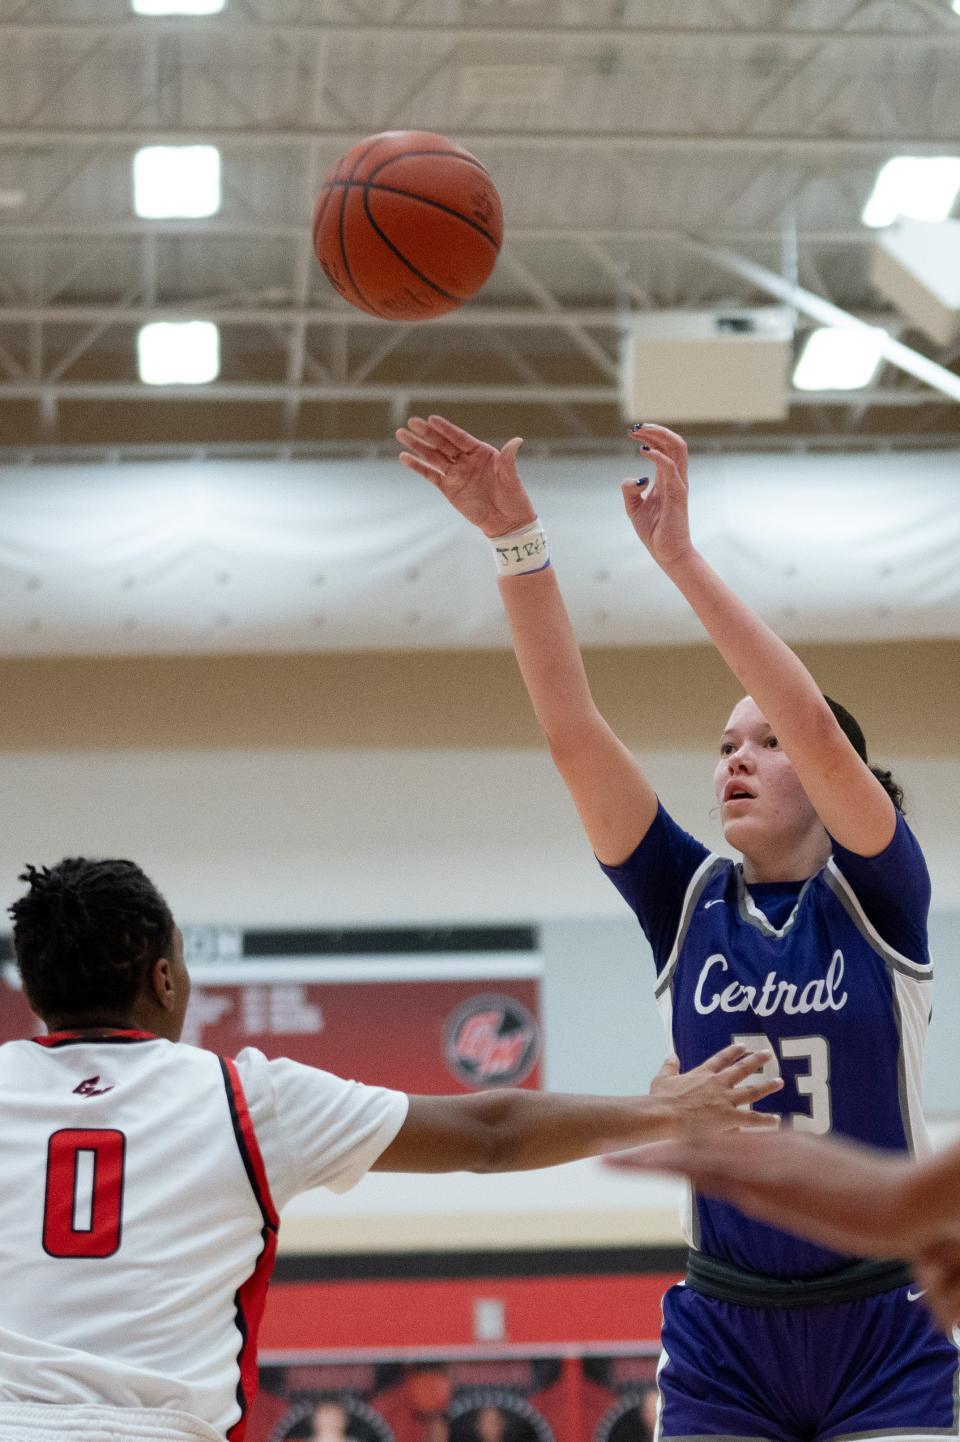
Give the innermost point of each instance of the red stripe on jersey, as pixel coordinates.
(247, 1140)
(252, 1295)
(64, 1038)
(251, 1299)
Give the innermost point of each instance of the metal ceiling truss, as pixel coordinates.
(333, 353)
(943, 31)
(60, 343)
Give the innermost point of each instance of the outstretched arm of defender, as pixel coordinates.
(614, 799)
(512, 1130)
(836, 1192)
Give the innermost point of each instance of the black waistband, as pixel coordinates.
(726, 1283)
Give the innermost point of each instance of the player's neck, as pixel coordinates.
(94, 1025)
(792, 863)
(155, 1020)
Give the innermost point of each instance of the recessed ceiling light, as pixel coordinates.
(176, 7)
(176, 180)
(835, 359)
(922, 187)
(172, 353)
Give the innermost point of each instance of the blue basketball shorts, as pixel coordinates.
(874, 1367)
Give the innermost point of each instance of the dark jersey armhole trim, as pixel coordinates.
(247, 1143)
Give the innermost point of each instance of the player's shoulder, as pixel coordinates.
(254, 1069)
(13, 1053)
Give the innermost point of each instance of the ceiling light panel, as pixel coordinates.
(919, 187)
(177, 7)
(835, 359)
(176, 180)
(173, 353)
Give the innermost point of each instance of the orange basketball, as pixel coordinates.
(408, 225)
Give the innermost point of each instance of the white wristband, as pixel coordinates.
(521, 551)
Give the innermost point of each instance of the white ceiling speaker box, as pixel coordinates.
(713, 365)
(916, 264)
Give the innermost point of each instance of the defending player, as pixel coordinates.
(814, 945)
(142, 1179)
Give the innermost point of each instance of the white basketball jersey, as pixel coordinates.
(140, 1190)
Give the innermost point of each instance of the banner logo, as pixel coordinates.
(491, 1041)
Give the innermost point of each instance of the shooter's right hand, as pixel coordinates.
(477, 479)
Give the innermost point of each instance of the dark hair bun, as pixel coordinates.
(890, 786)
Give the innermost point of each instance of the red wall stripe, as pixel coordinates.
(302, 1316)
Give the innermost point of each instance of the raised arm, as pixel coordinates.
(514, 1131)
(615, 801)
(847, 797)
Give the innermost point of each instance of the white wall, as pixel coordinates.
(308, 837)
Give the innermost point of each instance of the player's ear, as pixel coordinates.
(163, 986)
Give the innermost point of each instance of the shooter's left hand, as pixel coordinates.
(658, 509)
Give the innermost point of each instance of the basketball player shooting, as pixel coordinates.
(813, 945)
(143, 1178)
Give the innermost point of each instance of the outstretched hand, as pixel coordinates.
(478, 480)
(716, 1096)
(657, 504)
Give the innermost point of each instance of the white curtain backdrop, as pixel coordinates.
(301, 556)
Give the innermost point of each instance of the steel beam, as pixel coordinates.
(130, 137)
(267, 392)
(946, 36)
(781, 442)
(123, 227)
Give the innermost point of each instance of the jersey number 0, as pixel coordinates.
(84, 1194)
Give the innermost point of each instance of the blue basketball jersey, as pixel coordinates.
(830, 974)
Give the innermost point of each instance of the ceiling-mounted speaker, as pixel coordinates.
(916, 265)
(729, 364)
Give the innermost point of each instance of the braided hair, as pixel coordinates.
(854, 733)
(85, 933)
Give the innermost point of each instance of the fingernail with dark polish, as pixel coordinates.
(637, 426)
(642, 480)
(644, 448)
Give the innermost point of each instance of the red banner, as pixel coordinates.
(418, 1036)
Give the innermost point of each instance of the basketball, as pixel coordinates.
(408, 225)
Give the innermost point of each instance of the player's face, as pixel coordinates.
(772, 807)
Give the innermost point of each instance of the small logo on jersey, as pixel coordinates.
(491, 1041)
(89, 1088)
(718, 901)
(913, 1296)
